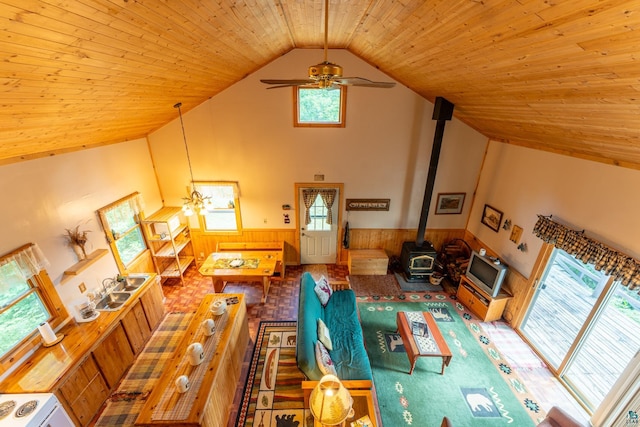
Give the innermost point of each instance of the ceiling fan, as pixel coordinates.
(326, 75)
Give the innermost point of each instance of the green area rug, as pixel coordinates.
(478, 387)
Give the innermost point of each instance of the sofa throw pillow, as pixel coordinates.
(323, 359)
(323, 290)
(323, 335)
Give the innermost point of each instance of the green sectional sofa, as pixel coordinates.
(341, 317)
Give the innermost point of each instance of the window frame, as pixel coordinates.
(296, 111)
(112, 240)
(44, 288)
(236, 200)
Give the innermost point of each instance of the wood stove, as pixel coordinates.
(417, 262)
(418, 258)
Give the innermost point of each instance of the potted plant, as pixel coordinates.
(77, 240)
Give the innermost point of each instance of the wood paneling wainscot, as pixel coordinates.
(360, 238)
(206, 243)
(391, 239)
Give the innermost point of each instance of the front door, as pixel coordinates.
(318, 240)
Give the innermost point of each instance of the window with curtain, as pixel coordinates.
(121, 223)
(225, 216)
(23, 301)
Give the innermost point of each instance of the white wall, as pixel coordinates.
(43, 197)
(521, 182)
(246, 134)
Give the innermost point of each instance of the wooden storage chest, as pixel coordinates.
(368, 262)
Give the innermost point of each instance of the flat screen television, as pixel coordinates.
(487, 273)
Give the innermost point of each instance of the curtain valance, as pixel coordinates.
(28, 258)
(309, 196)
(623, 268)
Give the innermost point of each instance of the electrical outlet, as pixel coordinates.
(82, 287)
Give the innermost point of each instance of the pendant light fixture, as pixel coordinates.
(194, 201)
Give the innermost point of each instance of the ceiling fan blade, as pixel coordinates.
(361, 81)
(290, 82)
(289, 85)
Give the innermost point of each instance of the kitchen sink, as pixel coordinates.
(113, 301)
(131, 284)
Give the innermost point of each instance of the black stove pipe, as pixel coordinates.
(442, 111)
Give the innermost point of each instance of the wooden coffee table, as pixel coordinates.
(437, 346)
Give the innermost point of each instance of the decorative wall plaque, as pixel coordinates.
(368, 204)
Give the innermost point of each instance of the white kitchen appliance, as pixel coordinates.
(32, 410)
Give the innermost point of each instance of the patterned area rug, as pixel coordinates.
(124, 405)
(383, 285)
(272, 396)
(478, 387)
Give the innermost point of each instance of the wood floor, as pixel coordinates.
(282, 304)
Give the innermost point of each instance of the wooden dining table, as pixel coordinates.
(240, 266)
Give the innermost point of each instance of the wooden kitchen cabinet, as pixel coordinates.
(479, 302)
(153, 304)
(84, 369)
(136, 327)
(83, 391)
(114, 356)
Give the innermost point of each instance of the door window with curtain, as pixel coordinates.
(23, 300)
(318, 203)
(121, 224)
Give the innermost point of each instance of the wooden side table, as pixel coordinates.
(480, 303)
(360, 391)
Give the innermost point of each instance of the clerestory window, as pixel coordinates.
(314, 107)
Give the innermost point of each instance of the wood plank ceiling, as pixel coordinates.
(556, 75)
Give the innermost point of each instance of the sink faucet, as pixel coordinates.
(107, 283)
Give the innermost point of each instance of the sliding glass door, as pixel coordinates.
(608, 346)
(584, 325)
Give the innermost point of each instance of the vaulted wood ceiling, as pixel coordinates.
(556, 75)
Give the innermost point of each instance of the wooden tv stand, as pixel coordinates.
(479, 302)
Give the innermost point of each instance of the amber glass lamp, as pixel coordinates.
(330, 402)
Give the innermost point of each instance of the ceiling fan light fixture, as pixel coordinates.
(326, 75)
(325, 70)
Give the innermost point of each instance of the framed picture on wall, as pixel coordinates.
(449, 203)
(491, 217)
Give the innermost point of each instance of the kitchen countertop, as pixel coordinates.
(42, 371)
